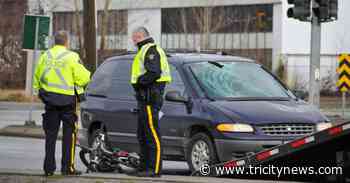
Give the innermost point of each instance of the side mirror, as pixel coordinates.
(300, 94)
(175, 96)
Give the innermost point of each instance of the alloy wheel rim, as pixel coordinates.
(200, 154)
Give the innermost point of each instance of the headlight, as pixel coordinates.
(230, 127)
(323, 126)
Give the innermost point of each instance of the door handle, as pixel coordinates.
(135, 110)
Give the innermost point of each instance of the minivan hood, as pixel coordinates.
(262, 112)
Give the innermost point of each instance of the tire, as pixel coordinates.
(200, 150)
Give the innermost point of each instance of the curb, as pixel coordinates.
(25, 131)
(120, 177)
(20, 105)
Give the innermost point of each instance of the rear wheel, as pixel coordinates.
(200, 151)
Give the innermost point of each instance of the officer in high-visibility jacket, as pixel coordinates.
(59, 79)
(149, 74)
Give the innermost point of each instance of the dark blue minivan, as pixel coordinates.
(217, 108)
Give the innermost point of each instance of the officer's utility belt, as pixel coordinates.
(151, 93)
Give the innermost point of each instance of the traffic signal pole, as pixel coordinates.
(315, 79)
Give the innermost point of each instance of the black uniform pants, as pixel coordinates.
(51, 124)
(148, 132)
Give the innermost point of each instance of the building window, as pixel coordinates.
(242, 30)
(220, 19)
(116, 27)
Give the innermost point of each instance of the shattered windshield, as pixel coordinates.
(237, 80)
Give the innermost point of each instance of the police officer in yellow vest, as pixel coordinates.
(59, 78)
(149, 75)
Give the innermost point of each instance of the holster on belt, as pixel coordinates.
(144, 95)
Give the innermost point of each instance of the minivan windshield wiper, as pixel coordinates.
(97, 95)
(217, 64)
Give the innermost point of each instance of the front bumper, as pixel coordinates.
(228, 149)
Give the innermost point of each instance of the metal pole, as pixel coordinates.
(30, 117)
(314, 86)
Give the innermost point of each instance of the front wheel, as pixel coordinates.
(200, 151)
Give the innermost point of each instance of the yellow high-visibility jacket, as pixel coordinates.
(138, 68)
(60, 71)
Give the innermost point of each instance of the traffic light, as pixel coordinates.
(301, 9)
(326, 10)
(333, 9)
(322, 9)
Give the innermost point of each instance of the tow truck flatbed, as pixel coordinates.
(326, 148)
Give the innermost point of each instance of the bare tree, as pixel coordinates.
(10, 51)
(11, 60)
(104, 25)
(203, 17)
(78, 28)
(204, 20)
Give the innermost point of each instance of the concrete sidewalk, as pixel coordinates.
(8, 175)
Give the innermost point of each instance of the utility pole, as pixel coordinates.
(314, 86)
(90, 34)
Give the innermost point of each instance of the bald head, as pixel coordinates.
(139, 34)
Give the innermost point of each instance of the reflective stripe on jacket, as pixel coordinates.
(59, 71)
(138, 68)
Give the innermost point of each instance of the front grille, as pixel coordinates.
(287, 129)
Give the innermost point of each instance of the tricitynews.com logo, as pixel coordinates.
(269, 170)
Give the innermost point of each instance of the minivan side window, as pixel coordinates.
(121, 87)
(101, 80)
(176, 83)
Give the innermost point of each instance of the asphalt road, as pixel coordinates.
(17, 113)
(28, 153)
(18, 117)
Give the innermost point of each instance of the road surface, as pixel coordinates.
(17, 113)
(28, 153)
